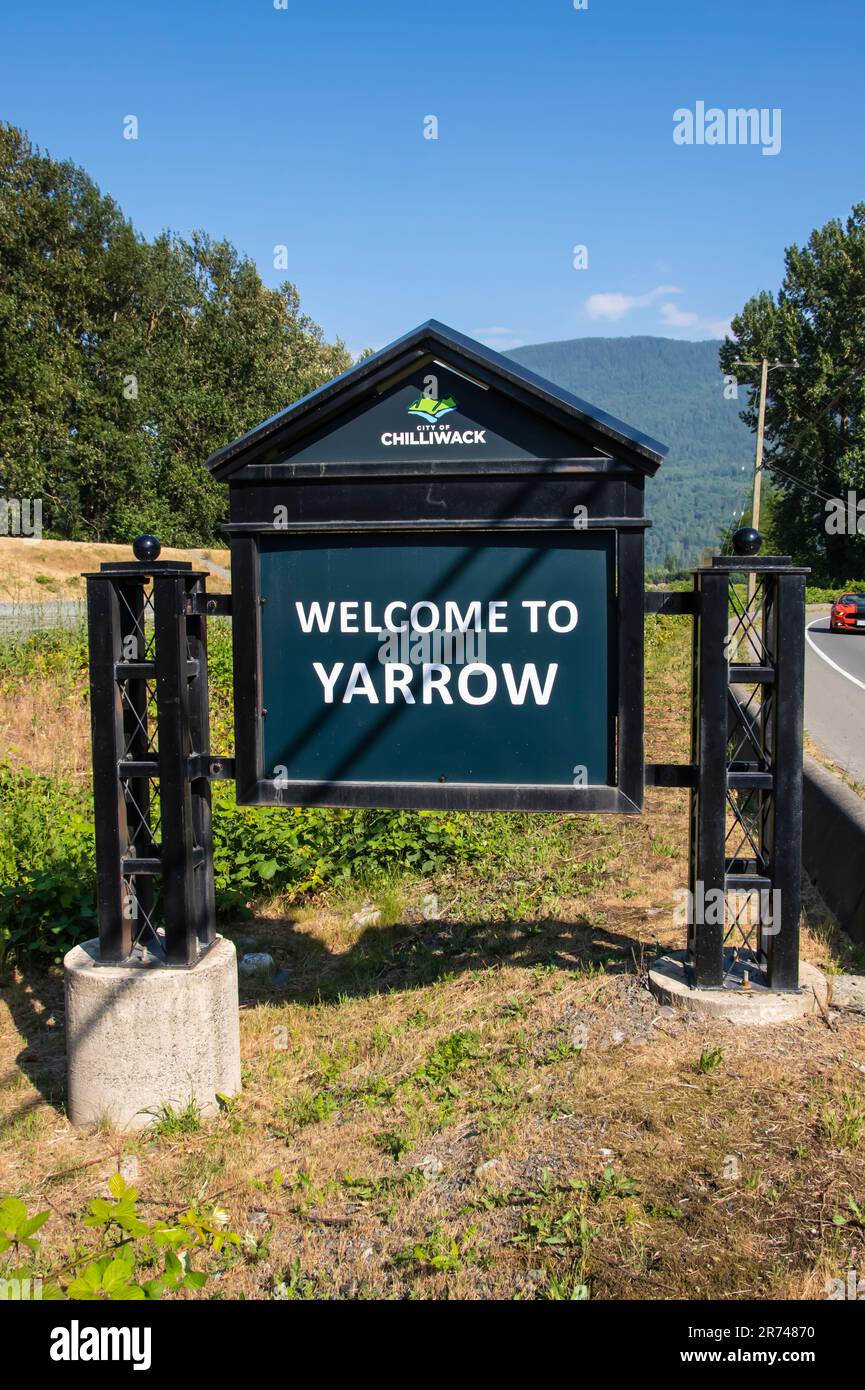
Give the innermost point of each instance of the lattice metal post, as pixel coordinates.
(150, 724)
(782, 830)
(204, 766)
(106, 595)
(181, 699)
(136, 695)
(746, 805)
(708, 798)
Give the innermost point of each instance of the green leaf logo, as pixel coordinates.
(429, 409)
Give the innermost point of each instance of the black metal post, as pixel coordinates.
(107, 736)
(709, 797)
(746, 805)
(631, 657)
(138, 888)
(785, 637)
(133, 669)
(199, 733)
(180, 901)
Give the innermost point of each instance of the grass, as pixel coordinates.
(816, 752)
(710, 1060)
(483, 1101)
(842, 1122)
(39, 571)
(171, 1123)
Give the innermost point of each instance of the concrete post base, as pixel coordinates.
(139, 1036)
(668, 981)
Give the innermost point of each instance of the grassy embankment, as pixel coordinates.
(483, 1104)
(46, 571)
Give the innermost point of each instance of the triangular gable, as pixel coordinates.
(436, 394)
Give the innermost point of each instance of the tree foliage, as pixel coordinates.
(125, 362)
(815, 421)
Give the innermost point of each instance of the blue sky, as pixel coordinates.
(304, 126)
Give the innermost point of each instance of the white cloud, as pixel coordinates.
(499, 338)
(674, 317)
(615, 306)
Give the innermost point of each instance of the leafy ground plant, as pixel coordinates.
(121, 1267)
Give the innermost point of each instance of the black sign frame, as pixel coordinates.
(256, 787)
(589, 470)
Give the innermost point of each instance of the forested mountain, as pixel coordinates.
(673, 390)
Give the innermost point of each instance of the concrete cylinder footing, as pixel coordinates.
(668, 982)
(141, 1036)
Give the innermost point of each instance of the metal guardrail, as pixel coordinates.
(833, 845)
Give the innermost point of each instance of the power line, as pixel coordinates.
(858, 368)
(815, 492)
(776, 468)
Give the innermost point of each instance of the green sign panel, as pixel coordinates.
(477, 658)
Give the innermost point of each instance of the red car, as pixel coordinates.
(848, 614)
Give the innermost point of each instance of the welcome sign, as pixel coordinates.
(437, 579)
(436, 660)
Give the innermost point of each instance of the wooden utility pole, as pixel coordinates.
(758, 456)
(765, 368)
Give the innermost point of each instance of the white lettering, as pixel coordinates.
(348, 615)
(360, 683)
(534, 606)
(397, 677)
(315, 615)
(433, 612)
(388, 617)
(528, 678)
(454, 619)
(436, 677)
(328, 681)
(497, 615)
(487, 674)
(570, 622)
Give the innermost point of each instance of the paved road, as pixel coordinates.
(835, 692)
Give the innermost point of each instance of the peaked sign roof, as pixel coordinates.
(433, 342)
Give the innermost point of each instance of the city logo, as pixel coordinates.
(429, 409)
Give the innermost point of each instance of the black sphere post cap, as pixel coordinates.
(747, 541)
(146, 549)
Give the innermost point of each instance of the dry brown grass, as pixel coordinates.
(44, 734)
(516, 1032)
(43, 571)
(736, 1176)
